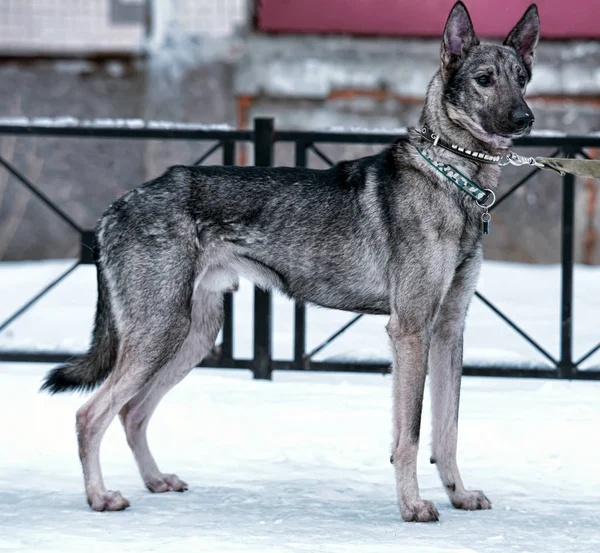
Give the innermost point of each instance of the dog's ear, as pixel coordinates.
(524, 37)
(459, 38)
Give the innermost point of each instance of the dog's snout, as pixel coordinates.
(523, 119)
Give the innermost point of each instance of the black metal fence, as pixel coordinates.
(263, 137)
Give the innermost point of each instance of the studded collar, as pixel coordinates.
(481, 157)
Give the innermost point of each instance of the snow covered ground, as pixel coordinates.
(301, 465)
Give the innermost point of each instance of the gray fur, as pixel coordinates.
(383, 234)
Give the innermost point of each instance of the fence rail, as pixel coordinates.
(263, 137)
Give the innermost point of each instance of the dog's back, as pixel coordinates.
(313, 234)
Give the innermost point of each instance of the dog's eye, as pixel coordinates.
(484, 80)
(522, 80)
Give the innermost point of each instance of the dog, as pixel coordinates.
(385, 234)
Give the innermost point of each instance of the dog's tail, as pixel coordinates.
(90, 370)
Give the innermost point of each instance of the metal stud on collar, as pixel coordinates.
(435, 138)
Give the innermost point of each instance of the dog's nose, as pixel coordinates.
(522, 119)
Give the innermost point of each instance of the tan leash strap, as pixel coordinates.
(580, 167)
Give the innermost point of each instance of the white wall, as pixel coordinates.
(50, 27)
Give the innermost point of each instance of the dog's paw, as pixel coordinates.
(166, 483)
(420, 511)
(108, 501)
(470, 500)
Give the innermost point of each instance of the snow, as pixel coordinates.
(102, 123)
(68, 121)
(550, 133)
(529, 294)
(392, 131)
(188, 126)
(301, 464)
(138, 124)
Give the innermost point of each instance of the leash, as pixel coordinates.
(562, 166)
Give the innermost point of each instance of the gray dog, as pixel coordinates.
(397, 233)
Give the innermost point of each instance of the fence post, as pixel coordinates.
(86, 252)
(566, 367)
(262, 362)
(227, 343)
(300, 363)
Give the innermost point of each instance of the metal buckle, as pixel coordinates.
(504, 159)
(485, 206)
(517, 160)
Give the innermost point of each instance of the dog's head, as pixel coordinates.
(484, 83)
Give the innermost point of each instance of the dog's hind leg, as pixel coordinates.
(207, 318)
(445, 367)
(136, 367)
(92, 421)
(151, 301)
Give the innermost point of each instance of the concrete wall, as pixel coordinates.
(83, 176)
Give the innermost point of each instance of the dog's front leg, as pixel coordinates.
(410, 345)
(445, 369)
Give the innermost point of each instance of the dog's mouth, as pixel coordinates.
(494, 138)
(517, 134)
(500, 138)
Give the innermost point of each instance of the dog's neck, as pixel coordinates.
(435, 115)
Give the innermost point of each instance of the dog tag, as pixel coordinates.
(485, 223)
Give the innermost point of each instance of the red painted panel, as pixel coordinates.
(491, 18)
